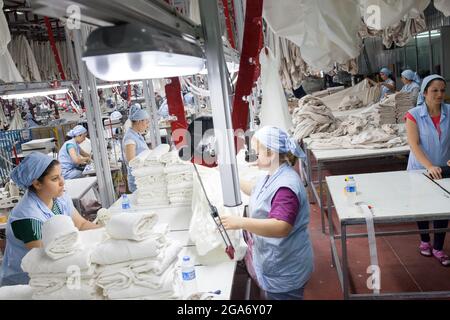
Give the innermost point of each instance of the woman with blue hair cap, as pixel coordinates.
(428, 126)
(410, 85)
(387, 86)
(279, 217)
(71, 156)
(44, 198)
(133, 141)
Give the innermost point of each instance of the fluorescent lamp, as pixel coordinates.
(132, 52)
(31, 94)
(231, 66)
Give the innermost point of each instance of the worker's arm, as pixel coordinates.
(374, 83)
(246, 186)
(33, 244)
(76, 158)
(81, 223)
(130, 151)
(391, 87)
(414, 144)
(85, 154)
(270, 228)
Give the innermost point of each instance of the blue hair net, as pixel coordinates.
(30, 169)
(76, 131)
(278, 140)
(136, 113)
(425, 84)
(386, 71)
(409, 75)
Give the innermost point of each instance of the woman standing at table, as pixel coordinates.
(41, 176)
(133, 141)
(279, 217)
(428, 127)
(71, 156)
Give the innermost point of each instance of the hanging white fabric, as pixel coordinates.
(325, 30)
(274, 108)
(443, 6)
(24, 58)
(17, 122)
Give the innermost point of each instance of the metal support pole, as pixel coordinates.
(239, 16)
(95, 124)
(220, 101)
(149, 95)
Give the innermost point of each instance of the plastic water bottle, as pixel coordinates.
(350, 189)
(188, 276)
(125, 202)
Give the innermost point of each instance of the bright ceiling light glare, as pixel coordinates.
(130, 52)
(32, 94)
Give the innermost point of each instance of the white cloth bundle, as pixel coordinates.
(179, 168)
(170, 288)
(60, 237)
(180, 187)
(115, 279)
(36, 261)
(153, 170)
(156, 154)
(85, 291)
(152, 202)
(179, 178)
(171, 158)
(131, 226)
(19, 292)
(139, 160)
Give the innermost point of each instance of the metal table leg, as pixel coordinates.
(320, 200)
(330, 228)
(345, 280)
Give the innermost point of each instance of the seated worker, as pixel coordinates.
(41, 176)
(410, 84)
(387, 86)
(71, 156)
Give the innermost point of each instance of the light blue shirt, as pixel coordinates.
(164, 110)
(68, 167)
(29, 207)
(437, 149)
(282, 264)
(141, 146)
(413, 88)
(385, 90)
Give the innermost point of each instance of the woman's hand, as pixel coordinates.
(435, 172)
(448, 163)
(232, 222)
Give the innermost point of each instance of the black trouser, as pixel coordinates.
(439, 238)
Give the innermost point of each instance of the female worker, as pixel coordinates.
(410, 84)
(71, 156)
(44, 198)
(387, 86)
(279, 216)
(133, 141)
(427, 127)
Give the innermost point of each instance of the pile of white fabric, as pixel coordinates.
(393, 108)
(68, 272)
(350, 103)
(18, 292)
(150, 177)
(23, 56)
(312, 116)
(404, 102)
(139, 261)
(179, 177)
(327, 92)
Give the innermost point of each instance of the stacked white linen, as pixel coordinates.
(404, 102)
(385, 110)
(19, 292)
(60, 237)
(68, 278)
(137, 269)
(179, 179)
(131, 226)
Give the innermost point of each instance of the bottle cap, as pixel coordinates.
(186, 258)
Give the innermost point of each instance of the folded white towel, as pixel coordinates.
(180, 187)
(179, 168)
(131, 226)
(139, 160)
(37, 261)
(115, 279)
(160, 263)
(84, 292)
(153, 202)
(153, 170)
(170, 288)
(60, 237)
(153, 280)
(19, 292)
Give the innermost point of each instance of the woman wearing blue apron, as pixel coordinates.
(427, 127)
(71, 156)
(409, 83)
(279, 217)
(387, 86)
(133, 141)
(41, 176)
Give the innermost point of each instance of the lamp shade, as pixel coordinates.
(133, 52)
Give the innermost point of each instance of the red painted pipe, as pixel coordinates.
(54, 49)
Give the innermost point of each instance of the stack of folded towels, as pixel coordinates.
(62, 269)
(404, 102)
(150, 178)
(139, 261)
(179, 177)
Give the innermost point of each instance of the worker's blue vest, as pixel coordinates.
(141, 146)
(68, 167)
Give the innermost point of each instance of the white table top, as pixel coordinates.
(76, 188)
(350, 154)
(394, 196)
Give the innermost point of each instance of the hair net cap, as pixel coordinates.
(30, 169)
(136, 113)
(116, 115)
(386, 71)
(409, 75)
(278, 140)
(76, 131)
(425, 83)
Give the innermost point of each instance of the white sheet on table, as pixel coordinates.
(131, 226)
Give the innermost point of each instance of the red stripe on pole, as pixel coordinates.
(176, 108)
(54, 49)
(228, 23)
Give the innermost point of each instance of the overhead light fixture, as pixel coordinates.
(135, 52)
(231, 66)
(32, 93)
(20, 12)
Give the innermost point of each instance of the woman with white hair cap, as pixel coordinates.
(428, 126)
(410, 85)
(133, 141)
(71, 156)
(40, 175)
(279, 217)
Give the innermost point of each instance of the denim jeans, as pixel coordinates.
(296, 294)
